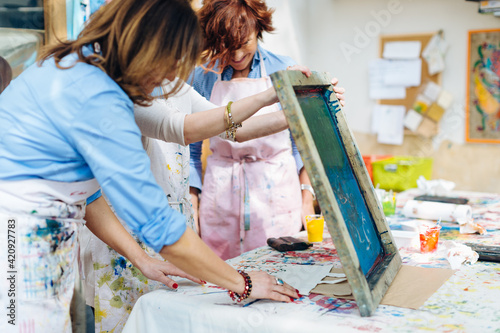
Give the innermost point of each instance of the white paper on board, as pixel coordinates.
(434, 54)
(406, 73)
(402, 50)
(445, 99)
(432, 91)
(390, 123)
(378, 89)
(412, 120)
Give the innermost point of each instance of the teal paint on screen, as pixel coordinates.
(324, 130)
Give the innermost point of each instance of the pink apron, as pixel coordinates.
(251, 190)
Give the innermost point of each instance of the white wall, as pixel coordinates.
(320, 28)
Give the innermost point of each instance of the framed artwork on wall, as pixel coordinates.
(482, 124)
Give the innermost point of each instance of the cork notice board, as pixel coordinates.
(411, 92)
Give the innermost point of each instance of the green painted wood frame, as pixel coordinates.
(343, 188)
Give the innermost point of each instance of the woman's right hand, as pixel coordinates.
(159, 270)
(304, 69)
(265, 286)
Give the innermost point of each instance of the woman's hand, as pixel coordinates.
(266, 286)
(158, 270)
(339, 91)
(270, 93)
(305, 70)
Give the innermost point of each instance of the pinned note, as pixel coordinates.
(402, 50)
(387, 122)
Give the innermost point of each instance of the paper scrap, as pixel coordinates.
(435, 112)
(459, 254)
(427, 128)
(407, 73)
(411, 287)
(421, 103)
(469, 227)
(377, 88)
(303, 277)
(432, 91)
(412, 120)
(444, 99)
(332, 281)
(434, 53)
(402, 50)
(439, 187)
(389, 123)
(337, 275)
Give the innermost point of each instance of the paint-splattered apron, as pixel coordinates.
(39, 223)
(251, 190)
(113, 284)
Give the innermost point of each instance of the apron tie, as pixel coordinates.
(245, 220)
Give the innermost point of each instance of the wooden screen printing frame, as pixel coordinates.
(368, 283)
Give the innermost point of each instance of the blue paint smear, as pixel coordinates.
(119, 265)
(320, 117)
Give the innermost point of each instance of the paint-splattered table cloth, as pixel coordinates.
(468, 302)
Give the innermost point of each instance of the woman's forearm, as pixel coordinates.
(206, 124)
(105, 225)
(194, 257)
(260, 126)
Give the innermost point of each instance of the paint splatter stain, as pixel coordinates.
(116, 302)
(103, 279)
(119, 265)
(118, 284)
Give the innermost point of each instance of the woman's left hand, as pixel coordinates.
(266, 286)
(158, 270)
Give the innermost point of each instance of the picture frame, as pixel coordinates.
(343, 188)
(482, 123)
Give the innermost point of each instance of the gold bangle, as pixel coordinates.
(231, 126)
(230, 121)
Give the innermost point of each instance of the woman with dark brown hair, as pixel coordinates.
(5, 74)
(256, 189)
(67, 128)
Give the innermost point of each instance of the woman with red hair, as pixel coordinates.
(251, 190)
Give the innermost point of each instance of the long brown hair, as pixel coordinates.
(5, 74)
(228, 24)
(138, 38)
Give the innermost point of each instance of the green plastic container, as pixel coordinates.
(400, 173)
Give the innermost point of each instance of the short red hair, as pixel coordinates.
(228, 24)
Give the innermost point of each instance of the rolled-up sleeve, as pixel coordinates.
(94, 197)
(160, 121)
(104, 132)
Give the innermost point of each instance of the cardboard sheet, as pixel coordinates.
(410, 289)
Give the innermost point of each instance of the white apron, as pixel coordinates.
(113, 284)
(251, 190)
(39, 223)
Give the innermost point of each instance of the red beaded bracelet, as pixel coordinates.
(248, 289)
